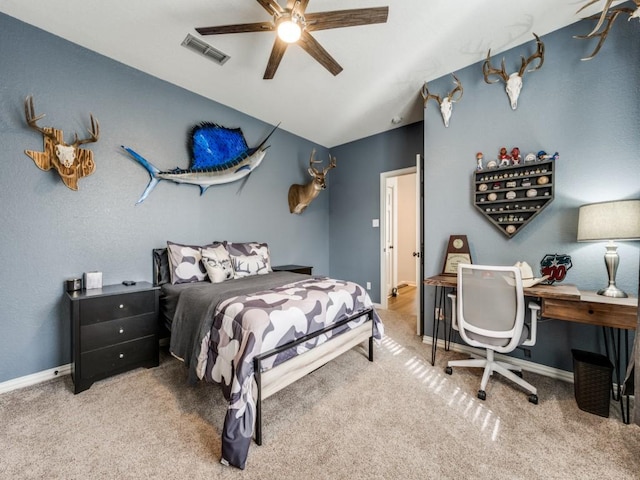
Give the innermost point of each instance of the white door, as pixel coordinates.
(388, 224)
(389, 231)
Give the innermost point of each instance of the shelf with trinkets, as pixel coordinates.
(511, 196)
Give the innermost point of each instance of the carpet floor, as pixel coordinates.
(396, 418)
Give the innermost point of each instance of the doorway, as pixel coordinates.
(401, 266)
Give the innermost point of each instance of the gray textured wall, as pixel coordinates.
(587, 111)
(50, 233)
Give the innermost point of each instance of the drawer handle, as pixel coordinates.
(121, 355)
(121, 305)
(591, 312)
(121, 330)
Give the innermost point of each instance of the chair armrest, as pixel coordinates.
(534, 308)
(454, 318)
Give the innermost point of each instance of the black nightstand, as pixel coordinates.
(114, 329)
(293, 268)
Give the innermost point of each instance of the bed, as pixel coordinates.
(252, 330)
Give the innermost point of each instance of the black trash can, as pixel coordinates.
(592, 382)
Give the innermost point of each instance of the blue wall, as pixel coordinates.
(50, 233)
(587, 111)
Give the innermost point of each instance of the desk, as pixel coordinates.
(559, 302)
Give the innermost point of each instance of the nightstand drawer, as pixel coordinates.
(110, 307)
(107, 361)
(104, 334)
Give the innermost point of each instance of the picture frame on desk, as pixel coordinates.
(457, 252)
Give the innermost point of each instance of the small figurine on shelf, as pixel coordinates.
(479, 158)
(542, 155)
(515, 156)
(505, 159)
(530, 157)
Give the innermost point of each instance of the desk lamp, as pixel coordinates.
(617, 220)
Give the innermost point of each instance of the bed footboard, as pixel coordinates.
(275, 379)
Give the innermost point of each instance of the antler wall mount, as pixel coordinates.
(610, 17)
(446, 103)
(71, 162)
(513, 82)
(294, 19)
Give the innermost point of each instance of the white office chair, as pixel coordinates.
(488, 312)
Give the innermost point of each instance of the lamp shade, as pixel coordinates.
(618, 220)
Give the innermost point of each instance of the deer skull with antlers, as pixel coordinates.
(71, 162)
(513, 82)
(446, 103)
(300, 196)
(610, 17)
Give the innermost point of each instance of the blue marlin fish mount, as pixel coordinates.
(218, 155)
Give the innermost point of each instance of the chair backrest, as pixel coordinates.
(490, 306)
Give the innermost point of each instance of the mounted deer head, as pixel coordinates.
(446, 104)
(300, 196)
(513, 82)
(610, 17)
(71, 162)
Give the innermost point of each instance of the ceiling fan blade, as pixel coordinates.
(346, 18)
(277, 52)
(238, 28)
(313, 48)
(271, 6)
(302, 5)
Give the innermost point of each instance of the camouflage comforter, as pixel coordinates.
(247, 325)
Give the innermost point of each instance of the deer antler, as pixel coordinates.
(539, 54)
(94, 134)
(312, 161)
(332, 164)
(487, 70)
(426, 95)
(32, 119)
(458, 89)
(610, 17)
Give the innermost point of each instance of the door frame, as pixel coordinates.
(383, 295)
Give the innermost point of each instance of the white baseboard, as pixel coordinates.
(524, 364)
(34, 378)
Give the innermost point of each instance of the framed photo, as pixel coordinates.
(457, 252)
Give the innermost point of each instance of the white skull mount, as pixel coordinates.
(513, 82)
(513, 87)
(66, 154)
(446, 103)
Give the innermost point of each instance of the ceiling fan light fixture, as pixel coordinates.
(289, 28)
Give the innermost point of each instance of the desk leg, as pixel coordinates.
(619, 366)
(440, 305)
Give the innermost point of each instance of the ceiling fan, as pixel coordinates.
(293, 25)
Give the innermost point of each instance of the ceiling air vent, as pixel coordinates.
(205, 49)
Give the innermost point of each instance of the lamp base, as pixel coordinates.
(612, 291)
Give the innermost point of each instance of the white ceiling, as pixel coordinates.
(385, 65)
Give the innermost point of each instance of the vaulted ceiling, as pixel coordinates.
(385, 64)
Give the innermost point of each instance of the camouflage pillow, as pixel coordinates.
(185, 262)
(217, 263)
(236, 249)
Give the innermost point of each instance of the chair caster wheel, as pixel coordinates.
(482, 395)
(533, 398)
(448, 370)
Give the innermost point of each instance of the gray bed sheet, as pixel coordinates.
(190, 307)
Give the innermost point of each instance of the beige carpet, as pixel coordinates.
(396, 418)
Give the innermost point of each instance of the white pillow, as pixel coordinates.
(217, 263)
(248, 265)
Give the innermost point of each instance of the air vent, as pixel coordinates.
(205, 49)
